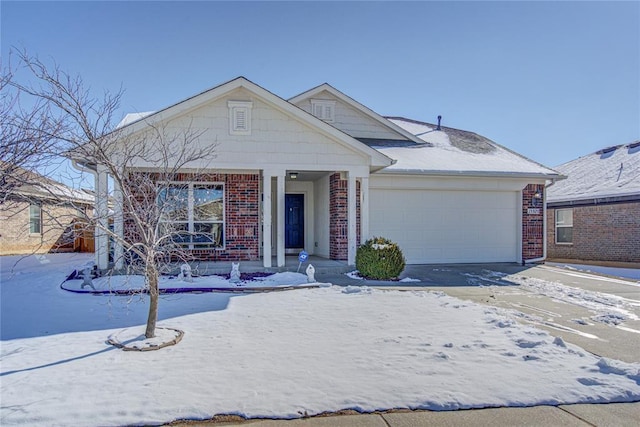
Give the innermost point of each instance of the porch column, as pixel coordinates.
(101, 215)
(118, 226)
(351, 215)
(280, 212)
(266, 219)
(364, 209)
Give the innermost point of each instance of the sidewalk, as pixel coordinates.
(601, 415)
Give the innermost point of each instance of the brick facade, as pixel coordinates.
(339, 217)
(532, 222)
(241, 220)
(603, 232)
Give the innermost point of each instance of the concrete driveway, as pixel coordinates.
(598, 313)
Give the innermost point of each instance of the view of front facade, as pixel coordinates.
(321, 172)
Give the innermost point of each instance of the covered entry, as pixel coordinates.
(294, 223)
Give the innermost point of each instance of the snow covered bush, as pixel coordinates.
(379, 259)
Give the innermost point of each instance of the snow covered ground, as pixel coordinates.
(135, 283)
(280, 354)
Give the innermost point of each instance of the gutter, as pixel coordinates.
(84, 167)
(488, 174)
(598, 200)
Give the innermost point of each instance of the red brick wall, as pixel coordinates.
(339, 217)
(242, 217)
(608, 232)
(532, 224)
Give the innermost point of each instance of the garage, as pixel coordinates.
(435, 226)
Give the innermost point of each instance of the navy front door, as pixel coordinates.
(294, 221)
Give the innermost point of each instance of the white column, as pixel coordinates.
(118, 225)
(280, 213)
(266, 219)
(364, 209)
(101, 215)
(352, 232)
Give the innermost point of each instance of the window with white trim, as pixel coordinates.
(193, 214)
(240, 117)
(324, 109)
(564, 226)
(35, 218)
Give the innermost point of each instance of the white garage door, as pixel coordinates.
(448, 226)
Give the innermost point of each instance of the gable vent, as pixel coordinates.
(324, 109)
(240, 117)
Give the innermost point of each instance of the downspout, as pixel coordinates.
(544, 227)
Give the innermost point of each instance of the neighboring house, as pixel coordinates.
(322, 172)
(40, 215)
(594, 214)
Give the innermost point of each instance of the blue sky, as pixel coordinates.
(550, 80)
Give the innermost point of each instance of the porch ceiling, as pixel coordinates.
(306, 175)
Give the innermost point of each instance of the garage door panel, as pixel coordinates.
(448, 226)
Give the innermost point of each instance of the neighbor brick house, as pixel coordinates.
(594, 214)
(322, 172)
(40, 215)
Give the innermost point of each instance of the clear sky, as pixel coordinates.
(550, 80)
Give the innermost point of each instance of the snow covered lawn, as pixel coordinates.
(135, 283)
(276, 354)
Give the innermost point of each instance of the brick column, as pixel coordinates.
(532, 223)
(338, 218)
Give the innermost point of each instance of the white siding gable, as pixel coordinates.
(276, 138)
(350, 120)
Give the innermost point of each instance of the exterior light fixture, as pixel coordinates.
(536, 200)
(293, 175)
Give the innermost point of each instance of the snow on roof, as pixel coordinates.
(133, 117)
(32, 184)
(455, 151)
(610, 172)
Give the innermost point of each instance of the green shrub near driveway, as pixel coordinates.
(380, 259)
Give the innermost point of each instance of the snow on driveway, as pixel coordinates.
(276, 355)
(608, 308)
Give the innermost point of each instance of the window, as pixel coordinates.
(564, 226)
(193, 213)
(240, 117)
(35, 219)
(323, 109)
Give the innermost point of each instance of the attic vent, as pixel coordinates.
(240, 117)
(324, 109)
(608, 149)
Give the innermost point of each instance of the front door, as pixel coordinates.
(294, 222)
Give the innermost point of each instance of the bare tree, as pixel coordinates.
(25, 135)
(147, 164)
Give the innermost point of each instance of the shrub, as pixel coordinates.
(379, 259)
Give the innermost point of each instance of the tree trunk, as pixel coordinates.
(151, 275)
